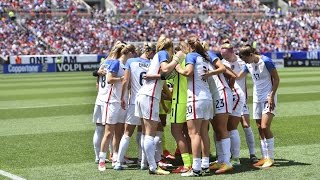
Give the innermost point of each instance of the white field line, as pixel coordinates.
(11, 176)
(55, 105)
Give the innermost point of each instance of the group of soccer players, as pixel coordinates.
(203, 89)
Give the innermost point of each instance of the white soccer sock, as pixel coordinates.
(270, 147)
(205, 162)
(138, 140)
(235, 143)
(196, 164)
(102, 157)
(149, 148)
(123, 147)
(143, 153)
(264, 150)
(250, 140)
(225, 143)
(114, 157)
(97, 137)
(219, 151)
(158, 143)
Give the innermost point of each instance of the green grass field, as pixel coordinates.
(46, 130)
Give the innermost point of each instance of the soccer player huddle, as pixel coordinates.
(195, 88)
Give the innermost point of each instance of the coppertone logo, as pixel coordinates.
(23, 68)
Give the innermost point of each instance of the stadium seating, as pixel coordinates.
(75, 34)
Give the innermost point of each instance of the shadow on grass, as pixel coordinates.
(246, 165)
(286, 162)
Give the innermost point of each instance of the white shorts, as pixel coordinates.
(131, 118)
(201, 109)
(147, 107)
(245, 109)
(262, 108)
(222, 101)
(111, 113)
(122, 115)
(97, 113)
(238, 102)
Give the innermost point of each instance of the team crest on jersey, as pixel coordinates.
(232, 67)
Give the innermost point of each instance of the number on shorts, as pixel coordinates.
(256, 76)
(204, 70)
(103, 81)
(189, 109)
(141, 77)
(234, 97)
(219, 103)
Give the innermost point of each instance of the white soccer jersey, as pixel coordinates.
(153, 88)
(198, 88)
(137, 67)
(113, 90)
(217, 82)
(237, 67)
(102, 89)
(262, 83)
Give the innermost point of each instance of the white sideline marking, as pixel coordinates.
(11, 176)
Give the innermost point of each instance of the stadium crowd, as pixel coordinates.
(39, 5)
(310, 4)
(297, 30)
(183, 6)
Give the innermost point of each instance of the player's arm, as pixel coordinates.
(187, 71)
(112, 78)
(220, 68)
(275, 84)
(168, 67)
(97, 83)
(124, 88)
(231, 75)
(152, 76)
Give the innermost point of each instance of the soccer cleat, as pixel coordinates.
(181, 169)
(167, 155)
(159, 171)
(253, 158)
(267, 163)
(96, 161)
(164, 164)
(259, 163)
(215, 165)
(205, 171)
(102, 166)
(191, 173)
(118, 166)
(224, 168)
(235, 162)
(113, 163)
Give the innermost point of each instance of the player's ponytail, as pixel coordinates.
(196, 46)
(247, 50)
(115, 52)
(147, 47)
(128, 48)
(164, 43)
